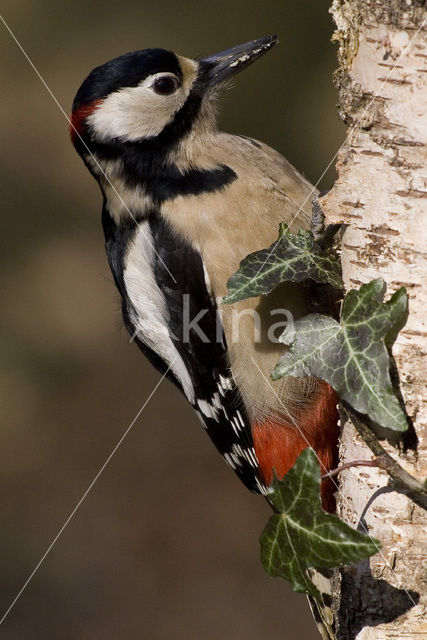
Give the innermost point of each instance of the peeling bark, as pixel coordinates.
(381, 198)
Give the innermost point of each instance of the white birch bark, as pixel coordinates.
(381, 197)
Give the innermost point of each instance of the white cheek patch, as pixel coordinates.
(134, 113)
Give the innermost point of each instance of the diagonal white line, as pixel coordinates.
(349, 133)
(345, 500)
(46, 86)
(72, 514)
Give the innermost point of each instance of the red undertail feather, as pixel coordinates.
(278, 443)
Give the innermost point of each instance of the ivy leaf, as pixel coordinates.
(302, 534)
(351, 355)
(292, 257)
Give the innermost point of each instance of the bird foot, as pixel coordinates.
(323, 235)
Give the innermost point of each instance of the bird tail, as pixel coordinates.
(322, 609)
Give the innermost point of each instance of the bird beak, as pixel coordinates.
(221, 66)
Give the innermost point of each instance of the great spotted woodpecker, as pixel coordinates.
(183, 203)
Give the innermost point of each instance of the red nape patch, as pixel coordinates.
(278, 443)
(78, 119)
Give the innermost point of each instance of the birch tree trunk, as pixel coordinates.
(381, 197)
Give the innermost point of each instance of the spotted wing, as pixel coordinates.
(168, 308)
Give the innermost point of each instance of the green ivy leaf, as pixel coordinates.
(292, 257)
(303, 535)
(351, 355)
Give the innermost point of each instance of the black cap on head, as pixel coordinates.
(125, 71)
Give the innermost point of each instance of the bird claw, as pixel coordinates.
(323, 235)
(317, 220)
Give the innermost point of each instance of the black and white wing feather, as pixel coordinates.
(169, 309)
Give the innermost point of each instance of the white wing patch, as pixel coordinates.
(208, 410)
(149, 314)
(225, 384)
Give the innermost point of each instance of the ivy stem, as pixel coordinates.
(376, 462)
(400, 479)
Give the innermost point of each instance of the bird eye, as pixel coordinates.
(165, 85)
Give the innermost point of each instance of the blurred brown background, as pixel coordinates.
(166, 544)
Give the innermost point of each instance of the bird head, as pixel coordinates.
(154, 97)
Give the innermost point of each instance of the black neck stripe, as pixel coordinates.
(167, 182)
